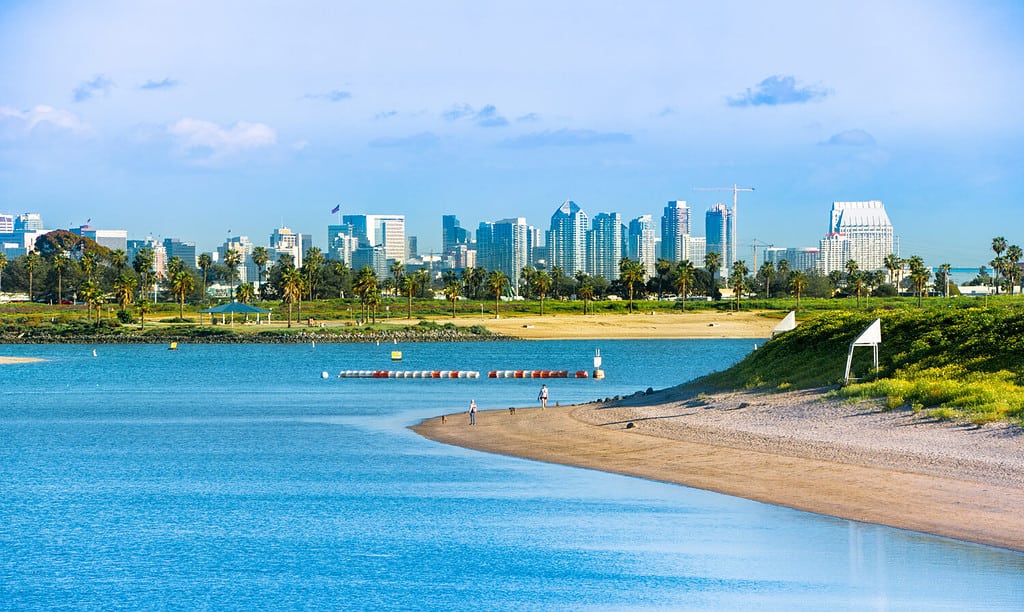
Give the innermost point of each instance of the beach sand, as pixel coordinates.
(639, 325)
(11, 360)
(793, 449)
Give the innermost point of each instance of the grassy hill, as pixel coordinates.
(958, 363)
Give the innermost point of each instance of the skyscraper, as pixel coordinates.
(718, 233)
(452, 235)
(284, 241)
(502, 245)
(867, 232)
(675, 226)
(604, 246)
(248, 272)
(641, 241)
(387, 231)
(567, 239)
(185, 251)
(341, 242)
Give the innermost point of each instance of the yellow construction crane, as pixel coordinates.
(735, 189)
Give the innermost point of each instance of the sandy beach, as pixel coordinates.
(639, 325)
(12, 360)
(794, 449)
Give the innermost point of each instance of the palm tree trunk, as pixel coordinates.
(289, 314)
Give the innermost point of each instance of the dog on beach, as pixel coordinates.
(511, 410)
(444, 419)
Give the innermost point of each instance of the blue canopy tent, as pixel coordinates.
(232, 308)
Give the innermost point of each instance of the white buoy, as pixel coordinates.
(324, 375)
(314, 344)
(755, 347)
(93, 352)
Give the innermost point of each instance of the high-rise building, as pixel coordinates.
(604, 246)
(411, 247)
(867, 232)
(112, 239)
(373, 256)
(641, 243)
(804, 259)
(696, 249)
(387, 231)
(28, 222)
(502, 245)
(834, 252)
(567, 239)
(6, 224)
(453, 235)
(341, 242)
(159, 253)
(283, 241)
(675, 226)
(248, 272)
(718, 233)
(186, 251)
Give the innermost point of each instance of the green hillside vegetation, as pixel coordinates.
(954, 363)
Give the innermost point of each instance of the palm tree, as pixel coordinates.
(632, 273)
(685, 273)
(893, 265)
(245, 293)
(124, 287)
(312, 264)
(1013, 257)
(182, 284)
(60, 260)
(143, 265)
(119, 259)
(260, 257)
(175, 265)
(397, 269)
(712, 262)
(409, 288)
(31, 264)
(291, 289)
(852, 275)
(945, 269)
(526, 280)
(366, 282)
(422, 281)
(142, 307)
(857, 283)
(662, 268)
(451, 291)
(497, 281)
(797, 283)
(767, 269)
(919, 276)
(738, 279)
(541, 286)
(204, 262)
(373, 301)
(93, 297)
(88, 262)
(586, 292)
(3, 264)
(341, 270)
(998, 263)
(232, 259)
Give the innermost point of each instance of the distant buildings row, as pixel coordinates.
(860, 231)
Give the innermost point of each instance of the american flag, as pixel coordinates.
(336, 209)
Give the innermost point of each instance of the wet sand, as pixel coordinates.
(795, 449)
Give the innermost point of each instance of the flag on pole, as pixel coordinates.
(336, 209)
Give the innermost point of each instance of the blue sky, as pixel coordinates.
(190, 119)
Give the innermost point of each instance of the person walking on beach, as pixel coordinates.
(472, 412)
(543, 396)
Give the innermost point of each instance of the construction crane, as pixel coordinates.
(735, 189)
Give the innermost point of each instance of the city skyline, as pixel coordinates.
(168, 120)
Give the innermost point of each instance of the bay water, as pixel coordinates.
(237, 477)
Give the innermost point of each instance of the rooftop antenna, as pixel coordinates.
(735, 189)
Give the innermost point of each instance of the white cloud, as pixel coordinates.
(207, 140)
(43, 116)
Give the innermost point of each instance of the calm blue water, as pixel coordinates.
(235, 477)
